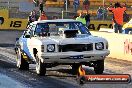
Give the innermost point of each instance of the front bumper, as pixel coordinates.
(64, 57)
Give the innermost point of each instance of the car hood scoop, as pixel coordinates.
(79, 39)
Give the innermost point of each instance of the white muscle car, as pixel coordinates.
(50, 43)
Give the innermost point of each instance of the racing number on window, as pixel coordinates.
(15, 23)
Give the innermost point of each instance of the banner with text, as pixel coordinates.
(17, 23)
(11, 23)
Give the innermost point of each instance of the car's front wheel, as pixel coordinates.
(99, 67)
(40, 67)
(22, 64)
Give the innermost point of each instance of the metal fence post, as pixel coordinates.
(8, 4)
(62, 14)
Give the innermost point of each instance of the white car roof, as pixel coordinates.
(56, 20)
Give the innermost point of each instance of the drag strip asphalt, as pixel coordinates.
(56, 77)
(30, 78)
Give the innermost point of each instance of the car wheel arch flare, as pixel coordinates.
(34, 44)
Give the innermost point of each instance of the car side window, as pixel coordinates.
(41, 28)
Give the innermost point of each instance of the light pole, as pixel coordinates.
(66, 5)
(103, 8)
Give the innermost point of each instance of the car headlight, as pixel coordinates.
(99, 46)
(51, 48)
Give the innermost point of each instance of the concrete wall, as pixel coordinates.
(120, 45)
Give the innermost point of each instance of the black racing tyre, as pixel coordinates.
(22, 64)
(40, 67)
(75, 68)
(81, 80)
(99, 67)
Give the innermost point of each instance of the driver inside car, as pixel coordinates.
(42, 29)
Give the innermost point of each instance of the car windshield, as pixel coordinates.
(54, 28)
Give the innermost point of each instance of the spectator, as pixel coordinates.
(36, 15)
(104, 13)
(81, 18)
(86, 4)
(41, 7)
(68, 4)
(43, 16)
(32, 17)
(99, 13)
(76, 4)
(126, 17)
(118, 12)
(87, 18)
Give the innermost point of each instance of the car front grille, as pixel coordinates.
(75, 47)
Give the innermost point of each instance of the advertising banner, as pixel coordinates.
(20, 24)
(96, 25)
(11, 23)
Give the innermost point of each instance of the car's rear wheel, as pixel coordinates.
(40, 67)
(99, 67)
(22, 64)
